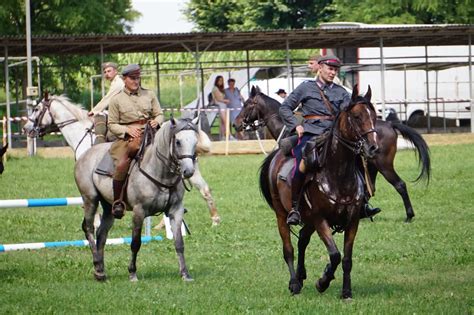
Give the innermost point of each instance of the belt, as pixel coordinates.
(139, 122)
(319, 117)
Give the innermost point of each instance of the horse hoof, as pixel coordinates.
(295, 287)
(187, 278)
(100, 276)
(347, 299)
(133, 277)
(216, 220)
(321, 287)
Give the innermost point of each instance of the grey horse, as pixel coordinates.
(155, 185)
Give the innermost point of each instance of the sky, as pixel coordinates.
(160, 16)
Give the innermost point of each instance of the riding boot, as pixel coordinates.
(368, 211)
(100, 128)
(294, 217)
(118, 207)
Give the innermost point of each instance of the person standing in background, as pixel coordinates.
(236, 99)
(218, 98)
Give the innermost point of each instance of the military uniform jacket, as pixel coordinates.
(126, 109)
(115, 87)
(308, 94)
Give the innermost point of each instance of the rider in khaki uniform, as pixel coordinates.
(129, 112)
(99, 111)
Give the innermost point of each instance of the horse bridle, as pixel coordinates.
(361, 138)
(259, 122)
(40, 131)
(172, 162)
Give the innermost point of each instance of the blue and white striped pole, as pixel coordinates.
(113, 241)
(47, 202)
(74, 201)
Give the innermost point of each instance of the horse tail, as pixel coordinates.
(422, 149)
(265, 178)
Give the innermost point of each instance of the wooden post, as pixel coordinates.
(227, 131)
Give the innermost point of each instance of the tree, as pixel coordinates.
(245, 15)
(64, 74)
(404, 11)
(67, 17)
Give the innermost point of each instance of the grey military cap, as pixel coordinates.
(131, 70)
(109, 64)
(330, 60)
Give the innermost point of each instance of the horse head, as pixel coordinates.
(182, 145)
(51, 114)
(249, 117)
(357, 124)
(40, 121)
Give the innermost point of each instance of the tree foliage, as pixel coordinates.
(67, 17)
(404, 11)
(244, 15)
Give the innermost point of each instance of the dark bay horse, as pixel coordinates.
(333, 198)
(3, 150)
(264, 109)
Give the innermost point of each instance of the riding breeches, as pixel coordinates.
(100, 127)
(297, 153)
(122, 152)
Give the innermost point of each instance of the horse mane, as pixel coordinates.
(271, 102)
(76, 109)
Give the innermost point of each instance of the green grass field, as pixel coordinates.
(426, 267)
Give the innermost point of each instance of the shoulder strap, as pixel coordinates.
(326, 101)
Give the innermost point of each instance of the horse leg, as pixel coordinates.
(198, 181)
(294, 285)
(176, 219)
(303, 241)
(325, 234)
(349, 237)
(137, 220)
(97, 219)
(392, 177)
(90, 208)
(102, 232)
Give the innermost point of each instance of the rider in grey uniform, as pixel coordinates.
(318, 118)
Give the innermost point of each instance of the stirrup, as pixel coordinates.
(293, 218)
(118, 209)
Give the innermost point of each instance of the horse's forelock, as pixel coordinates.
(360, 100)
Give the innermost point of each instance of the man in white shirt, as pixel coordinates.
(100, 118)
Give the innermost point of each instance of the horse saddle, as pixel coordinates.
(285, 173)
(106, 165)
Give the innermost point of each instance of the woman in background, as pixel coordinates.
(218, 97)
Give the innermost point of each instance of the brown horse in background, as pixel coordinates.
(333, 197)
(2, 153)
(261, 110)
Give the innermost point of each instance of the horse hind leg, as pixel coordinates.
(102, 232)
(303, 241)
(392, 177)
(90, 208)
(295, 285)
